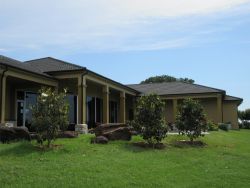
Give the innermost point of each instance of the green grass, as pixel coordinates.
(224, 162)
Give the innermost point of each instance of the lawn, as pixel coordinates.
(224, 162)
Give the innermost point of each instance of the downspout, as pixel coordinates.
(6, 69)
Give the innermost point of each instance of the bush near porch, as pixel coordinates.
(224, 162)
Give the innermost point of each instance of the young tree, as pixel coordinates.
(149, 119)
(191, 119)
(50, 114)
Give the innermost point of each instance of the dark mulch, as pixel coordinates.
(184, 143)
(149, 146)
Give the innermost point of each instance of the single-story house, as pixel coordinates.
(94, 98)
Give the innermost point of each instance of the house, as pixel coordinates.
(94, 98)
(218, 106)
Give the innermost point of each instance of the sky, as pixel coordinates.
(131, 40)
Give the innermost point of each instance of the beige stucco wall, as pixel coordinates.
(210, 109)
(230, 114)
(11, 89)
(209, 105)
(169, 111)
(94, 91)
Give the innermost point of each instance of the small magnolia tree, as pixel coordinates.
(149, 120)
(50, 114)
(191, 119)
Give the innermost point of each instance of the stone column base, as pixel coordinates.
(81, 128)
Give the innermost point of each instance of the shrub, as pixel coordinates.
(244, 116)
(212, 126)
(49, 114)
(224, 126)
(149, 119)
(191, 119)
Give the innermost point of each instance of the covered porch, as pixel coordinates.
(18, 94)
(96, 101)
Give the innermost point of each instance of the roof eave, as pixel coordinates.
(129, 88)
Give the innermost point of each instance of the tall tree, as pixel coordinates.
(166, 78)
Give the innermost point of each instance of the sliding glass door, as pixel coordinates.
(113, 112)
(94, 111)
(72, 100)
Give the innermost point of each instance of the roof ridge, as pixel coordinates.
(11, 59)
(55, 59)
(21, 65)
(205, 87)
(65, 62)
(183, 83)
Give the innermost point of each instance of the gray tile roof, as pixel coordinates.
(231, 98)
(49, 64)
(20, 65)
(174, 88)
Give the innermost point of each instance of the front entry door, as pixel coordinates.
(20, 113)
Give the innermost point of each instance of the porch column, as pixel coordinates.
(122, 107)
(106, 104)
(174, 109)
(3, 100)
(82, 100)
(165, 111)
(219, 109)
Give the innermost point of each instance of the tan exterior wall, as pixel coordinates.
(209, 104)
(210, 109)
(94, 91)
(169, 111)
(230, 114)
(11, 89)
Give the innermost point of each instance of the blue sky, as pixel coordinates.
(128, 41)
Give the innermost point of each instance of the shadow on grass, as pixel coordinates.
(188, 144)
(24, 148)
(138, 147)
(171, 142)
(18, 149)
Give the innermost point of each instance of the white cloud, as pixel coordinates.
(102, 24)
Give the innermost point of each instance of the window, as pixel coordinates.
(94, 111)
(72, 100)
(30, 100)
(113, 112)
